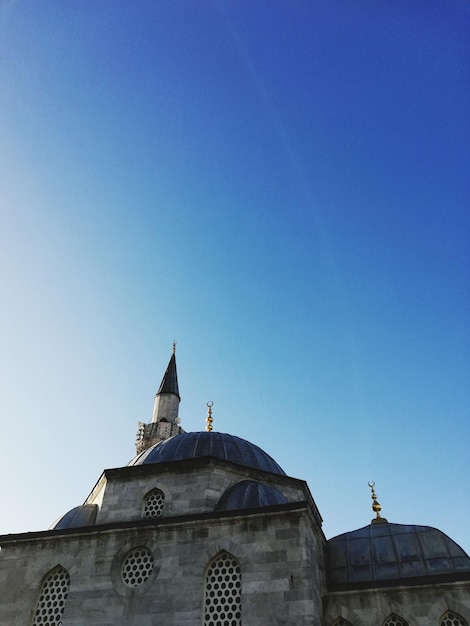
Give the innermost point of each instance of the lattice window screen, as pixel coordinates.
(51, 603)
(153, 503)
(137, 567)
(395, 620)
(222, 602)
(453, 619)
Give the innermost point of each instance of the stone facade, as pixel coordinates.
(279, 550)
(205, 529)
(420, 605)
(190, 487)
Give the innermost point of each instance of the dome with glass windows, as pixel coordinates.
(208, 444)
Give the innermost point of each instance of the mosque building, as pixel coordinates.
(206, 529)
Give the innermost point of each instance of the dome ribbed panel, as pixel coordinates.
(384, 551)
(249, 494)
(202, 444)
(84, 515)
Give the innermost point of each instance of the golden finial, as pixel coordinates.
(375, 505)
(209, 416)
(174, 346)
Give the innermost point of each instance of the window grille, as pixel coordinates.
(137, 567)
(51, 603)
(452, 619)
(395, 620)
(153, 503)
(222, 603)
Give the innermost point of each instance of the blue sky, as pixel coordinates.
(283, 188)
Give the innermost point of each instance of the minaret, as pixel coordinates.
(165, 420)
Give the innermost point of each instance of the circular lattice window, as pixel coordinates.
(153, 503)
(137, 567)
(452, 619)
(51, 603)
(395, 620)
(223, 592)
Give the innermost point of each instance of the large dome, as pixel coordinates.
(384, 552)
(200, 444)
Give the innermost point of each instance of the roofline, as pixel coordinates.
(431, 579)
(289, 507)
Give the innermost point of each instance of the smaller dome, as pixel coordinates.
(383, 552)
(84, 515)
(249, 494)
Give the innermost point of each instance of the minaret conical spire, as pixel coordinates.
(169, 382)
(167, 398)
(165, 420)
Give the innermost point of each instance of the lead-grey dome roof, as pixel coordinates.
(83, 515)
(383, 552)
(249, 494)
(200, 444)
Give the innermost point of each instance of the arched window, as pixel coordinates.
(222, 601)
(153, 503)
(451, 618)
(51, 603)
(340, 621)
(395, 620)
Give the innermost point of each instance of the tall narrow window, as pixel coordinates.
(222, 602)
(51, 603)
(395, 620)
(153, 503)
(340, 621)
(451, 618)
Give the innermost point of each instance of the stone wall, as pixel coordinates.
(421, 605)
(278, 553)
(189, 488)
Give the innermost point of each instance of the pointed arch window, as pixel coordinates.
(153, 504)
(395, 620)
(451, 618)
(340, 621)
(51, 603)
(222, 594)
